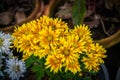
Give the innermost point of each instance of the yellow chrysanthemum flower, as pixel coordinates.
(48, 37)
(89, 44)
(25, 44)
(91, 63)
(45, 21)
(77, 43)
(42, 52)
(58, 24)
(82, 30)
(95, 57)
(54, 62)
(68, 51)
(99, 53)
(73, 66)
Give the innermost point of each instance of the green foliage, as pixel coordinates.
(67, 76)
(29, 61)
(39, 70)
(37, 66)
(78, 11)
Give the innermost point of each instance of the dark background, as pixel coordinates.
(112, 61)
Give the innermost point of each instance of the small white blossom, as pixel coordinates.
(15, 68)
(5, 42)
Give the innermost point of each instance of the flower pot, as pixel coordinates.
(37, 12)
(118, 74)
(103, 74)
(50, 7)
(107, 42)
(111, 40)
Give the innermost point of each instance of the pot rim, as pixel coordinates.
(37, 12)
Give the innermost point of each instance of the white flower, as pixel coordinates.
(15, 68)
(5, 42)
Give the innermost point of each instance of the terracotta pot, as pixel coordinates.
(50, 7)
(37, 12)
(111, 40)
(106, 42)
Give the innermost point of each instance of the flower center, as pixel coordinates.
(66, 52)
(1, 42)
(50, 38)
(53, 27)
(16, 68)
(75, 45)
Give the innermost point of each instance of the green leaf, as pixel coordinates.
(39, 71)
(87, 78)
(50, 74)
(36, 68)
(40, 61)
(78, 11)
(29, 61)
(40, 74)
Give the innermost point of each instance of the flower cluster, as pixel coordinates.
(9, 64)
(5, 42)
(62, 48)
